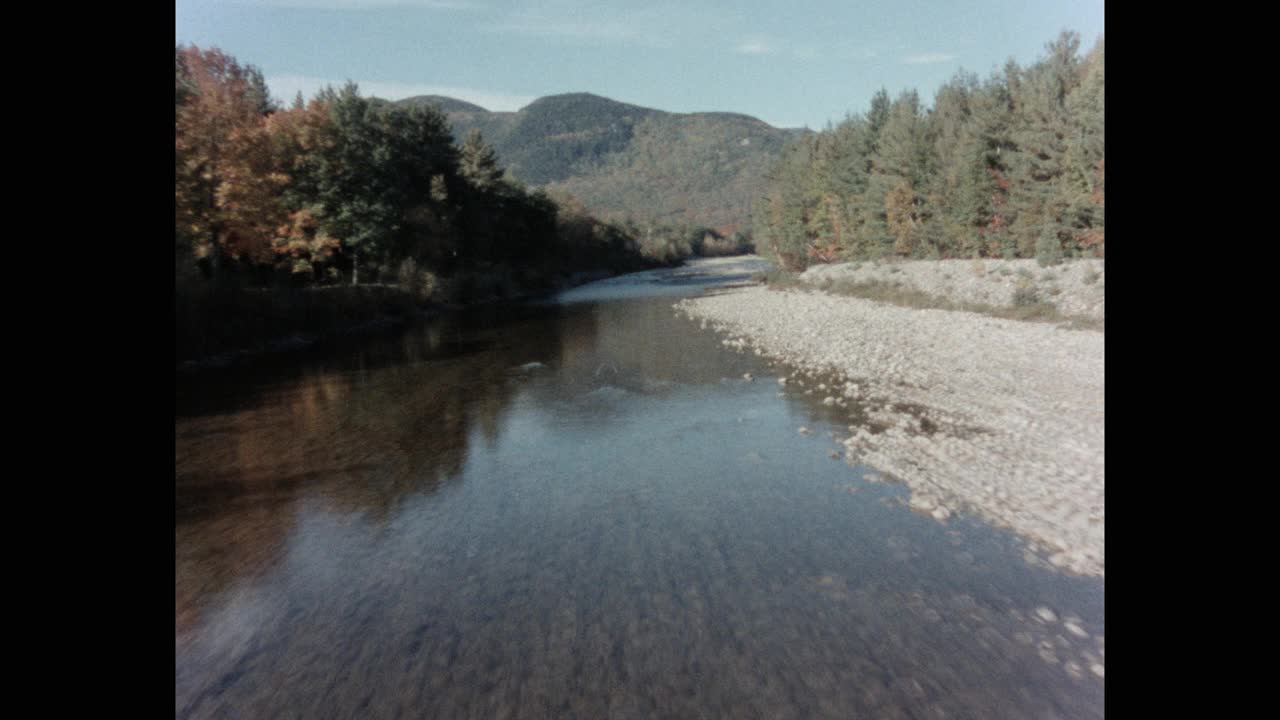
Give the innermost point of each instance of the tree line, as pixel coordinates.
(1008, 167)
(344, 189)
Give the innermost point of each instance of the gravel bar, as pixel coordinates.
(1075, 288)
(999, 417)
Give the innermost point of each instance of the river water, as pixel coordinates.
(581, 509)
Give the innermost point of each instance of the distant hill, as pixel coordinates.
(624, 160)
(446, 104)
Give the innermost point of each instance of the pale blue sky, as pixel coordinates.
(787, 63)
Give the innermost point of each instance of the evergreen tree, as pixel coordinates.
(479, 163)
(992, 169)
(1043, 129)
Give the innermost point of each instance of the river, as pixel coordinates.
(580, 508)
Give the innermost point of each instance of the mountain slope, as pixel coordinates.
(624, 160)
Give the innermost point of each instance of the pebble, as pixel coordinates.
(1046, 614)
(941, 513)
(803, 430)
(1075, 629)
(922, 502)
(747, 377)
(996, 436)
(1098, 669)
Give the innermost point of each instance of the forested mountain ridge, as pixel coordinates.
(627, 161)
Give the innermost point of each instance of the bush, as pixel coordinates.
(1025, 296)
(1048, 248)
(408, 276)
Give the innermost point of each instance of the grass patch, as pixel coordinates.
(1027, 304)
(1025, 297)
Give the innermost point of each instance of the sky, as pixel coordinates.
(791, 64)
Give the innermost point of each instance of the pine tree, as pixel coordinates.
(1043, 129)
(479, 163)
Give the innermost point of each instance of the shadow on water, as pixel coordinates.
(582, 509)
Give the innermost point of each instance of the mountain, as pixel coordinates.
(445, 104)
(624, 160)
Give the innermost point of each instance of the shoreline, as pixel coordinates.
(1002, 418)
(383, 321)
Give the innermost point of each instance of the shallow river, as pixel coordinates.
(580, 509)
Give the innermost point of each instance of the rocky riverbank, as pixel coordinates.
(1074, 289)
(996, 417)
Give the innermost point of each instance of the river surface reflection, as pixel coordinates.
(580, 509)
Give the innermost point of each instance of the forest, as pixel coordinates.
(1007, 167)
(343, 190)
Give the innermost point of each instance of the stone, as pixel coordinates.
(1046, 614)
(922, 502)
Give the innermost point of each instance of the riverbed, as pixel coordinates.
(586, 507)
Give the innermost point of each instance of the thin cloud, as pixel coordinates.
(756, 48)
(583, 29)
(366, 4)
(647, 27)
(285, 87)
(928, 59)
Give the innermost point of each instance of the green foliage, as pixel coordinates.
(986, 172)
(1025, 296)
(1048, 248)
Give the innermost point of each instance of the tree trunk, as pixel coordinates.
(355, 268)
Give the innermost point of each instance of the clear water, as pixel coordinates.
(579, 509)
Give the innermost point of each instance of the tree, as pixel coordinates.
(479, 163)
(348, 172)
(1042, 130)
(217, 141)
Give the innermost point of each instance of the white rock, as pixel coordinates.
(1046, 614)
(922, 502)
(1075, 629)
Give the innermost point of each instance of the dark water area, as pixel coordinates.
(580, 509)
